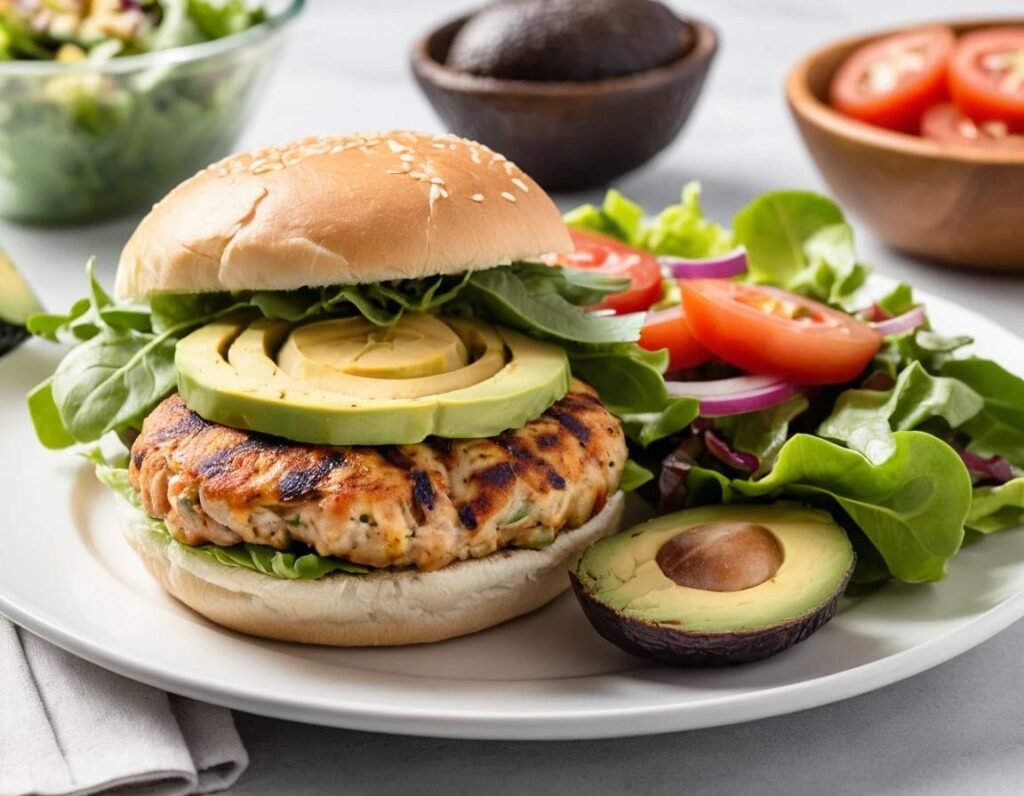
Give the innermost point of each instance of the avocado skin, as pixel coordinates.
(569, 40)
(668, 645)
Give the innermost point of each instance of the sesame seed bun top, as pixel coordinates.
(340, 210)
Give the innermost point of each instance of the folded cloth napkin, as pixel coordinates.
(68, 727)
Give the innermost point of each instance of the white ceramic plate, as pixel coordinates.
(66, 574)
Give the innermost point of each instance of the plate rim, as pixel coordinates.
(556, 724)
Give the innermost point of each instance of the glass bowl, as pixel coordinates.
(85, 141)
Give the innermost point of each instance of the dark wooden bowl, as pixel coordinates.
(951, 204)
(566, 136)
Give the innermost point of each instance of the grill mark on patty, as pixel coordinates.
(526, 460)
(498, 475)
(222, 460)
(394, 456)
(467, 517)
(302, 484)
(546, 441)
(570, 423)
(422, 495)
(189, 424)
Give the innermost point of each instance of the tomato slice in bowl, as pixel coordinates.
(668, 329)
(986, 76)
(946, 124)
(767, 331)
(890, 82)
(615, 258)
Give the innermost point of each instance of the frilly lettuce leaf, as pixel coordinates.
(680, 230)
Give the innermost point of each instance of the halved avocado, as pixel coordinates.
(716, 585)
(17, 303)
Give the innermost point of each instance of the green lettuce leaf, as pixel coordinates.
(634, 476)
(996, 508)
(680, 230)
(865, 420)
(912, 507)
(762, 433)
(800, 241)
(898, 300)
(997, 430)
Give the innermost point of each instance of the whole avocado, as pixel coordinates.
(569, 40)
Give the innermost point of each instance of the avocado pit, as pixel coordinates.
(721, 556)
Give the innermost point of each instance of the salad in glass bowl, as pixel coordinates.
(105, 104)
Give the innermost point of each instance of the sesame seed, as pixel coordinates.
(437, 181)
(419, 175)
(407, 157)
(437, 146)
(522, 186)
(477, 197)
(475, 156)
(507, 195)
(337, 150)
(396, 147)
(436, 192)
(498, 158)
(395, 171)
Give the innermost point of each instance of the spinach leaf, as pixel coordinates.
(501, 296)
(865, 419)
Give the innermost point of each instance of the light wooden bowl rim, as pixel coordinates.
(813, 110)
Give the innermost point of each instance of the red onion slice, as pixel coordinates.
(734, 396)
(901, 323)
(722, 451)
(732, 264)
(995, 468)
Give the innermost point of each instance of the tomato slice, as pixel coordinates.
(891, 81)
(668, 329)
(615, 258)
(767, 331)
(946, 124)
(986, 76)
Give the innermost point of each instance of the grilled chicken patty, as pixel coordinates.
(423, 505)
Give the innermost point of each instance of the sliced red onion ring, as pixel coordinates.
(721, 450)
(734, 396)
(901, 323)
(732, 264)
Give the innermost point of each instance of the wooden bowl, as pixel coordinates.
(951, 204)
(566, 136)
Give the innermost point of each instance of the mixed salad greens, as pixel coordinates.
(922, 444)
(92, 142)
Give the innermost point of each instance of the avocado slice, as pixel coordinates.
(17, 303)
(230, 372)
(716, 585)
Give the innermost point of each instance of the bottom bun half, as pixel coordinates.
(383, 608)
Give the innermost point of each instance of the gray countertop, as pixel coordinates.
(955, 729)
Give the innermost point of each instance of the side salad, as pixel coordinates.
(90, 141)
(793, 382)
